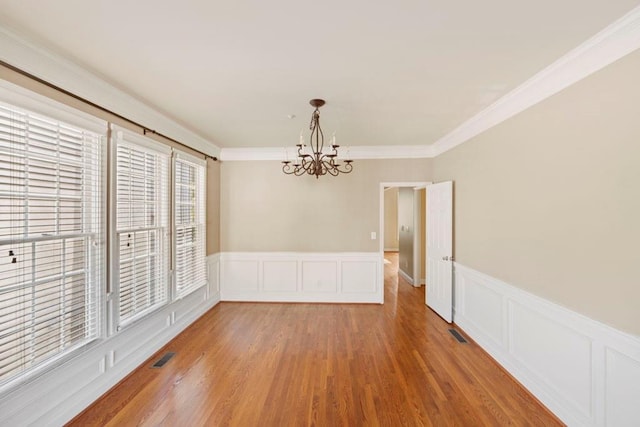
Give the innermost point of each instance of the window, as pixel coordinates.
(142, 225)
(53, 234)
(51, 237)
(189, 219)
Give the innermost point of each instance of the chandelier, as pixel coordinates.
(315, 160)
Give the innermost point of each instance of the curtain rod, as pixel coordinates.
(145, 129)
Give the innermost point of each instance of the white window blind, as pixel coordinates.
(142, 225)
(51, 239)
(189, 219)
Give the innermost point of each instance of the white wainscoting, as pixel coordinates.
(587, 373)
(302, 277)
(59, 394)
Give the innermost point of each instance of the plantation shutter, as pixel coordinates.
(51, 237)
(189, 219)
(142, 225)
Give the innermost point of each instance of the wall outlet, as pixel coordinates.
(373, 235)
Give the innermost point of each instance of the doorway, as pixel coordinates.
(403, 228)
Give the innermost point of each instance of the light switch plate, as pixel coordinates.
(373, 235)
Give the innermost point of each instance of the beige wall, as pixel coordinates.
(549, 200)
(391, 218)
(406, 211)
(213, 207)
(262, 209)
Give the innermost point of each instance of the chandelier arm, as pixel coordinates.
(347, 167)
(329, 168)
(333, 171)
(288, 169)
(320, 167)
(308, 167)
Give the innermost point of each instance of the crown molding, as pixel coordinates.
(55, 69)
(391, 152)
(612, 43)
(360, 152)
(250, 153)
(617, 40)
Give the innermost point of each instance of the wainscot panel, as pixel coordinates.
(301, 277)
(60, 393)
(587, 373)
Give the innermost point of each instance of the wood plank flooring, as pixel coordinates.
(247, 364)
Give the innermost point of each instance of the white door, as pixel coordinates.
(439, 294)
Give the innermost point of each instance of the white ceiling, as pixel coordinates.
(393, 73)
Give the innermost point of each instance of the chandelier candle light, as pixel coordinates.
(316, 163)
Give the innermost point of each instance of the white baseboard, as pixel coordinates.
(391, 249)
(61, 393)
(302, 277)
(406, 277)
(585, 372)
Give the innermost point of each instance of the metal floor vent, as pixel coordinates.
(163, 360)
(457, 336)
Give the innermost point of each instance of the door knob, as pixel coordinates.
(445, 258)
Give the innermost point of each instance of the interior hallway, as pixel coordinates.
(267, 364)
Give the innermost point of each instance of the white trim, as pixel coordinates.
(607, 46)
(182, 155)
(412, 184)
(339, 277)
(213, 277)
(419, 234)
(60, 394)
(383, 185)
(24, 99)
(257, 153)
(53, 68)
(586, 372)
(390, 152)
(612, 43)
(406, 277)
(615, 41)
(355, 153)
(131, 139)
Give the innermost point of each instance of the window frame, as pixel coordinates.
(201, 166)
(101, 279)
(121, 136)
(27, 102)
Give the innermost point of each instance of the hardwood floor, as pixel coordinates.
(249, 364)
